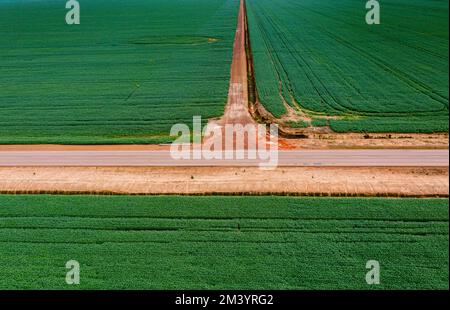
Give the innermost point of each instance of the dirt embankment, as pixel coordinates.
(392, 182)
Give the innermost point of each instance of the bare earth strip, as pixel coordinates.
(237, 108)
(395, 182)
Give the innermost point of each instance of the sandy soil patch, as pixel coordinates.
(370, 141)
(422, 182)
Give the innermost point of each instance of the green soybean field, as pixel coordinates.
(127, 73)
(161, 242)
(321, 59)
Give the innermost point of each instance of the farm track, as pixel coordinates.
(237, 110)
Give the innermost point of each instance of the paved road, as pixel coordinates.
(326, 158)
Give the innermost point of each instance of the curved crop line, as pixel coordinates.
(299, 60)
(272, 56)
(278, 65)
(402, 76)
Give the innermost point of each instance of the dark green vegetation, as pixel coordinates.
(222, 242)
(322, 58)
(126, 74)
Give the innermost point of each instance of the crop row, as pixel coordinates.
(222, 242)
(321, 57)
(126, 74)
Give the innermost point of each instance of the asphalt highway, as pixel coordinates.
(298, 158)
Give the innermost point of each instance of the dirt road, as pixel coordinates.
(237, 109)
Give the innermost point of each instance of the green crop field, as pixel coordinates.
(222, 242)
(321, 58)
(126, 74)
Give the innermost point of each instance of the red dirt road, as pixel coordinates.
(237, 109)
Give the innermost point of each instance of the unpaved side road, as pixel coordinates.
(314, 181)
(237, 108)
